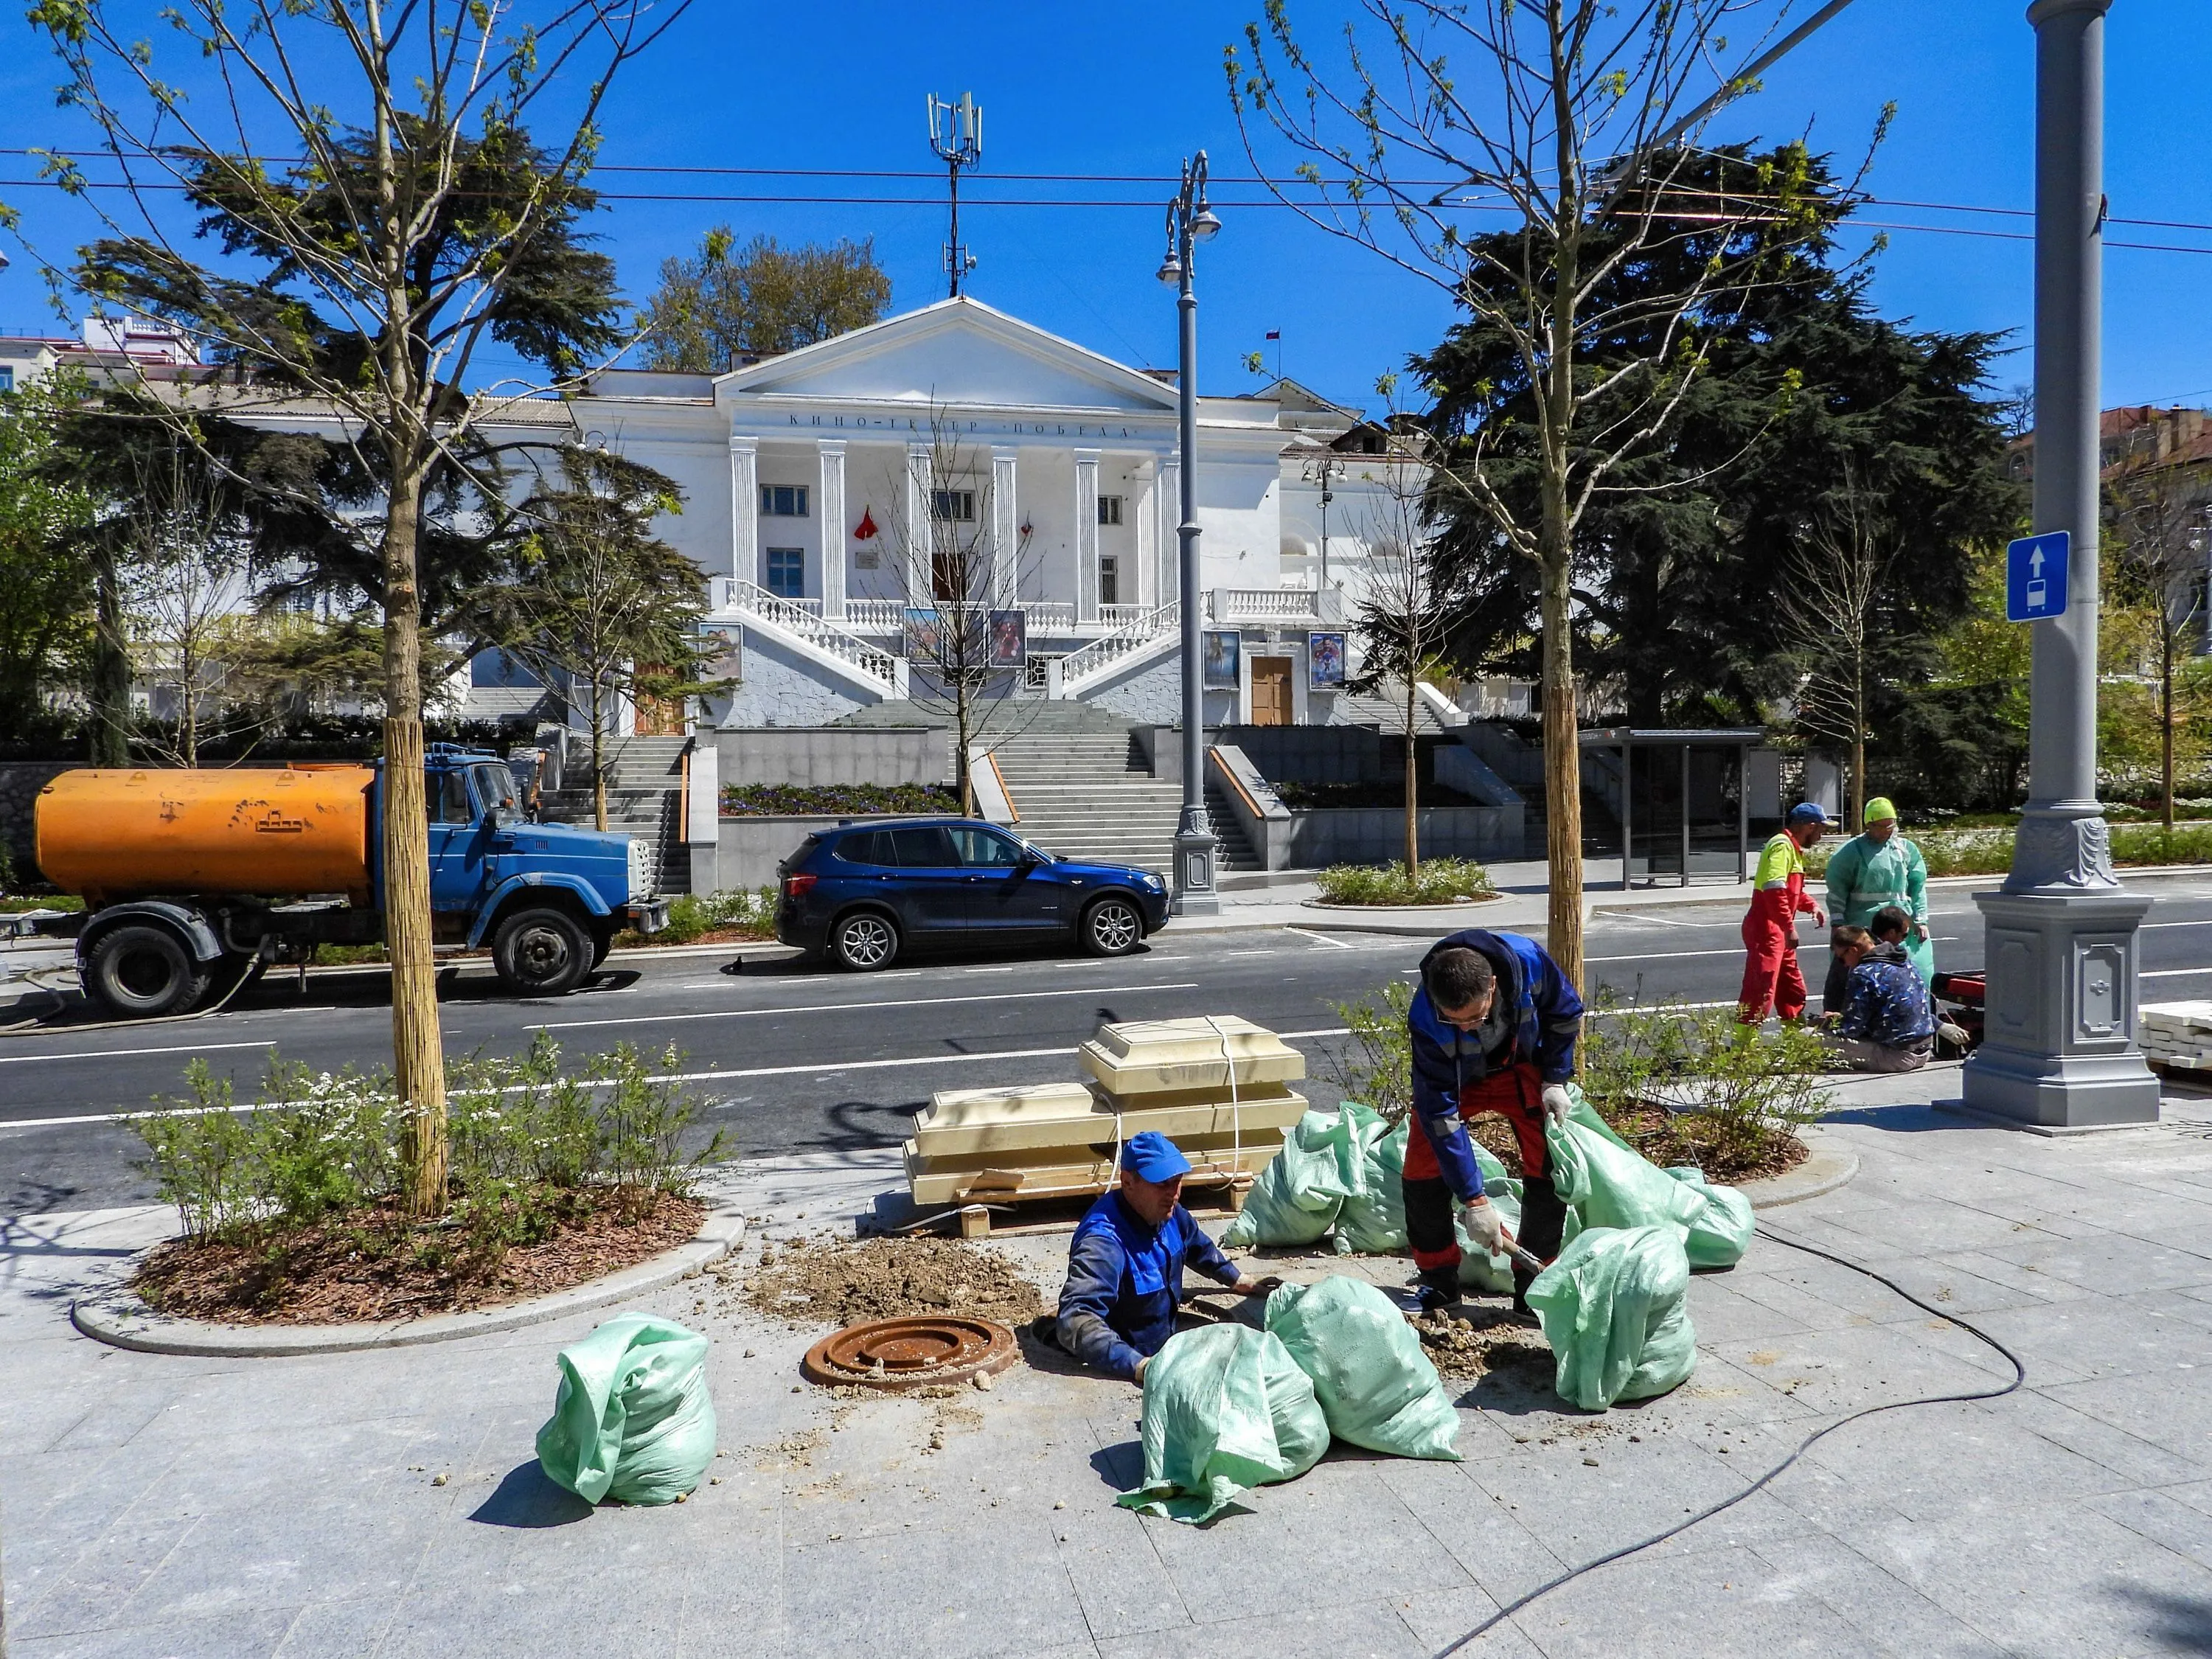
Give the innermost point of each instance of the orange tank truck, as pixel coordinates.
(118, 835)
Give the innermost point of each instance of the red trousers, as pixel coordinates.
(1771, 977)
(1518, 1092)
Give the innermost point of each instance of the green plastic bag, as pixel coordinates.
(1493, 1274)
(1373, 1219)
(1614, 1312)
(1722, 1232)
(1375, 1386)
(631, 1418)
(1225, 1408)
(1295, 1200)
(1607, 1183)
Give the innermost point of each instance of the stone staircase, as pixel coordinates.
(1233, 851)
(645, 801)
(1080, 793)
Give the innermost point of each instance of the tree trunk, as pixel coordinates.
(599, 754)
(1413, 785)
(2166, 727)
(110, 690)
(1563, 793)
(417, 1049)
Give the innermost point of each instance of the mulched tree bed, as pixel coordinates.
(1656, 1133)
(368, 1266)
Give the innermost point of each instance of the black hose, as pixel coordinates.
(2019, 1376)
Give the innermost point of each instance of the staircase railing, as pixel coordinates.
(735, 592)
(1101, 654)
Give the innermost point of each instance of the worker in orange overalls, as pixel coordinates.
(1771, 981)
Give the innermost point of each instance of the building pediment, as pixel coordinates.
(957, 353)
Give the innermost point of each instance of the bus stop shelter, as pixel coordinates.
(1627, 739)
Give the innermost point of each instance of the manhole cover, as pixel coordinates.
(911, 1353)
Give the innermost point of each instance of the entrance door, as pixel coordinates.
(1271, 690)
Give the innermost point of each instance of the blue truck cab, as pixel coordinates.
(548, 898)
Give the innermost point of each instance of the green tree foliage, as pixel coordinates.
(717, 306)
(45, 587)
(1680, 560)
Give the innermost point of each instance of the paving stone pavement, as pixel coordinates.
(162, 1506)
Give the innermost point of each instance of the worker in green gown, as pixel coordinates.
(1875, 867)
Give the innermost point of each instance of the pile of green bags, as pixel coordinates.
(1295, 1199)
(1373, 1219)
(1376, 1386)
(631, 1419)
(1613, 1309)
(1225, 1408)
(1605, 1183)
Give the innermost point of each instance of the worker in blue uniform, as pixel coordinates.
(1125, 1268)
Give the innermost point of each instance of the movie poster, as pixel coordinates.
(722, 653)
(1325, 659)
(1222, 651)
(1010, 638)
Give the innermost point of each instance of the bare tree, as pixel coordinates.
(2160, 518)
(1401, 618)
(1832, 629)
(965, 635)
(375, 161)
(605, 611)
(1578, 122)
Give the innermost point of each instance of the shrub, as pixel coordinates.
(1441, 881)
(531, 1141)
(747, 800)
(1376, 1067)
(1734, 1090)
(692, 916)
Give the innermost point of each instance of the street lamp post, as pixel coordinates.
(2060, 934)
(1190, 221)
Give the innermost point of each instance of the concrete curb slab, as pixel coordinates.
(1827, 1169)
(119, 1319)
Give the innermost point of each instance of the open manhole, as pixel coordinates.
(911, 1353)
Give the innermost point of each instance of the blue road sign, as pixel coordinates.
(2035, 576)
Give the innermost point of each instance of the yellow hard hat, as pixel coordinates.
(1878, 809)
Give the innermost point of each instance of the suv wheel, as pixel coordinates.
(143, 972)
(541, 953)
(1112, 927)
(863, 941)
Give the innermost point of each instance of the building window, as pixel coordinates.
(6, 376)
(787, 572)
(1109, 509)
(783, 501)
(952, 506)
(1110, 579)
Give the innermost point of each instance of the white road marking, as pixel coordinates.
(2176, 973)
(1321, 938)
(856, 1007)
(128, 1054)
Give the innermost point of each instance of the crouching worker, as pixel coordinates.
(1124, 1266)
(1889, 1024)
(1493, 1026)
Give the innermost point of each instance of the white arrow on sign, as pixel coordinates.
(2035, 562)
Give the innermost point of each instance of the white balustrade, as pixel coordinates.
(1101, 654)
(794, 617)
(1265, 604)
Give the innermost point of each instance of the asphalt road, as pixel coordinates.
(794, 1058)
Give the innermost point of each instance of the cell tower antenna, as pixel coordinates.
(956, 133)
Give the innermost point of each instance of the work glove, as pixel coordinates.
(1557, 1102)
(1484, 1226)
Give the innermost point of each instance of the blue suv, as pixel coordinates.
(864, 894)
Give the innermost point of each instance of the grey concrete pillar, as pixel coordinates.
(2060, 935)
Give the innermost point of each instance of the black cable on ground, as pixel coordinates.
(2019, 1376)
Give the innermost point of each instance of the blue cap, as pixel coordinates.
(1151, 1156)
(1808, 811)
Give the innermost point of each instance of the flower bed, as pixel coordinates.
(1440, 881)
(772, 800)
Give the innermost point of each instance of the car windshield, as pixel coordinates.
(1042, 856)
(495, 789)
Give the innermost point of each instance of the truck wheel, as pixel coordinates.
(863, 941)
(603, 939)
(1112, 927)
(144, 973)
(542, 953)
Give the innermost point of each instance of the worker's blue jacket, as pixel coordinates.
(1125, 1283)
(1544, 1022)
(1888, 1000)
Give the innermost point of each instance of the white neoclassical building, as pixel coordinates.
(799, 470)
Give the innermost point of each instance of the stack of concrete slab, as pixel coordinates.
(1059, 1139)
(2176, 1035)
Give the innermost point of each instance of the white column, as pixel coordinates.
(1167, 509)
(1005, 531)
(1147, 573)
(921, 588)
(1086, 536)
(745, 509)
(830, 512)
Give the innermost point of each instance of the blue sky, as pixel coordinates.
(1132, 89)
